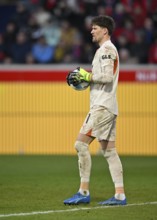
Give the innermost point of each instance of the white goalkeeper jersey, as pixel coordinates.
(105, 66)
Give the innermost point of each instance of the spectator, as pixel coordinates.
(50, 4)
(10, 36)
(21, 16)
(42, 52)
(90, 6)
(30, 59)
(138, 15)
(153, 53)
(125, 58)
(20, 48)
(7, 60)
(87, 53)
(77, 49)
(62, 10)
(52, 33)
(148, 30)
(87, 27)
(119, 14)
(139, 49)
(33, 29)
(68, 34)
(2, 49)
(154, 19)
(59, 52)
(128, 31)
(122, 42)
(42, 16)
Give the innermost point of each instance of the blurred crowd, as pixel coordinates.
(58, 31)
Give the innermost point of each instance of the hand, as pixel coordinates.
(84, 75)
(73, 78)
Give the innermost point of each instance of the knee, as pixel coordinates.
(81, 148)
(112, 158)
(111, 152)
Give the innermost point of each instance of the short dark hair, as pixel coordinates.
(104, 21)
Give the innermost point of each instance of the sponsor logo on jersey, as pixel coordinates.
(106, 57)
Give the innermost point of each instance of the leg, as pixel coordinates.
(84, 161)
(116, 171)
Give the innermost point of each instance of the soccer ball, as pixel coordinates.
(81, 86)
(76, 84)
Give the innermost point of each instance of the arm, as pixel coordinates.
(106, 75)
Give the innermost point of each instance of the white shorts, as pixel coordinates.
(100, 123)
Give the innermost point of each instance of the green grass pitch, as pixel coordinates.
(40, 183)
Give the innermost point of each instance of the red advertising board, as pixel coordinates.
(48, 75)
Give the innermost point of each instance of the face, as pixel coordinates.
(98, 34)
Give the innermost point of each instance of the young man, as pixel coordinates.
(100, 122)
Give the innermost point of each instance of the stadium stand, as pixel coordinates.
(65, 25)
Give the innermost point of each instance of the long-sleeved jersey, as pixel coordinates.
(105, 73)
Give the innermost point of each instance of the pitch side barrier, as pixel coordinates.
(41, 114)
(128, 73)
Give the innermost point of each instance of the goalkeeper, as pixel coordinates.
(100, 122)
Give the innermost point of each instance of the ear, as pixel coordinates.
(105, 31)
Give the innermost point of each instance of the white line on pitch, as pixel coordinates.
(73, 210)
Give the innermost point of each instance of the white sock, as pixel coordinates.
(84, 192)
(120, 196)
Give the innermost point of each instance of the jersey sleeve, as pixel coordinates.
(107, 56)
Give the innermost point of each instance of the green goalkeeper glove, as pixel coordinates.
(84, 75)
